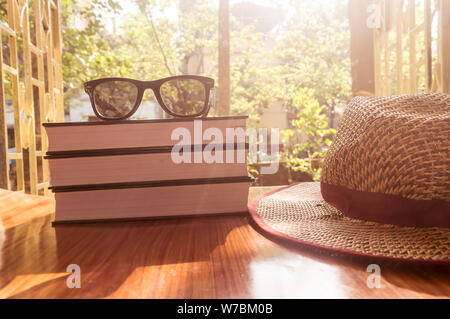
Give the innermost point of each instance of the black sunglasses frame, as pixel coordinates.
(155, 86)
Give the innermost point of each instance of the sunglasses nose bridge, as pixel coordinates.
(148, 85)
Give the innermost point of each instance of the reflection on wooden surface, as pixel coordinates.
(203, 257)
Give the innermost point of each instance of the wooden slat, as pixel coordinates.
(412, 48)
(9, 70)
(361, 48)
(14, 155)
(444, 13)
(407, 25)
(43, 185)
(387, 56)
(36, 50)
(18, 101)
(29, 106)
(418, 64)
(4, 165)
(24, 101)
(399, 48)
(428, 49)
(4, 27)
(37, 82)
(42, 96)
(377, 64)
(17, 92)
(224, 58)
(418, 28)
(57, 97)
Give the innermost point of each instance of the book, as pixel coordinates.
(70, 136)
(147, 202)
(116, 170)
(140, 165)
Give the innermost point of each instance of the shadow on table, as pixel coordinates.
(109, 253)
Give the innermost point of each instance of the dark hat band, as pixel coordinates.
(387, 209)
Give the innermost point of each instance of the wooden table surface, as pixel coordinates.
(202, 257)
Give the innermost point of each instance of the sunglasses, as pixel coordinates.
(180, 96)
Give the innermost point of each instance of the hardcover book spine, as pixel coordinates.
(126, 134)
(151, 202)
(86, 169)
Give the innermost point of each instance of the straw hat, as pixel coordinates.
(385, 187)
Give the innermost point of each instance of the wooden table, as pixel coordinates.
(203, 257)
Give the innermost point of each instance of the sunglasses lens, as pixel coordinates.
(115, 99)
(184, 96)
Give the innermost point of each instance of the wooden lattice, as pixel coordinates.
(411, 47)
(31, 84)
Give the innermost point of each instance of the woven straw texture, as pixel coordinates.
(300, 212)
(397, 145)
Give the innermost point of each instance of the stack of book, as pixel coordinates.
(147, 168)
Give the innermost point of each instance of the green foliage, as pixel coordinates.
(315, 63)
(87, 53)
(303, 62)
(306, 144)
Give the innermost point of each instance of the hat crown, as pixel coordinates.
(398, 145)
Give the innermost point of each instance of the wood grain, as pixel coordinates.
(202, 257)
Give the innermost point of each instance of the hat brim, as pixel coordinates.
(299, 214)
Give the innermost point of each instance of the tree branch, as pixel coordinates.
(155, 33)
